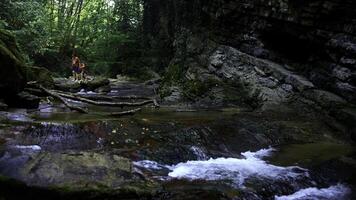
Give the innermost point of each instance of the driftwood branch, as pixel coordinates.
(99, 97)
(129, 112)
(62, 96)
(57, 96)
(106, 103)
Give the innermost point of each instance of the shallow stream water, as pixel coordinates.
(221, 154)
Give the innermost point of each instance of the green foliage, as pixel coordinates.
(195, 88)
(105, 33)
(173, 75)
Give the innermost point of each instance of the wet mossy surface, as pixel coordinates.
(12, 67)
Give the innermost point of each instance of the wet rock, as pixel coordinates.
(66, 84)
(12, 66)
(41, 75)
(297, 36)
(262, 78)
(25, 100)
(335, 171)
(3, 106)
(348, 62)
(341, 73)
(267, 189)
(346, 90)
(103, 89)
(174, 95)
(62, 169)
(70, 85)
(324, 98)
(347, 116)
(58, 137)
(95, 83)
(19, 115)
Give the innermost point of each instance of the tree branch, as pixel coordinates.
(55, 95)
(129, 112)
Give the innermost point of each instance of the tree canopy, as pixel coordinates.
(106, 34)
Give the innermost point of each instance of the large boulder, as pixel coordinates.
(41, 75)
(14, 74)
(73, 86)
(12, 66)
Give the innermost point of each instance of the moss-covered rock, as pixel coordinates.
(42, 75)
(12, 66)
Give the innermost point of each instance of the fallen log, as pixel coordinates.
(60, 98)
(106, 103)
(100, 97)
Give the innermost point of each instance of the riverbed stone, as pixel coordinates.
(324, 98)
(341, 73)
(76, 169)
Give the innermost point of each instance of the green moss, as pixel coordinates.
(12, 67)
(195, 88)
(164, 91)
(41, 75)
(173, 75)
(237, 93)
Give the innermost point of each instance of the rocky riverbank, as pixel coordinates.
(257, 55)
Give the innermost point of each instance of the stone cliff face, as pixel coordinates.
(314, 39)
(264, 53)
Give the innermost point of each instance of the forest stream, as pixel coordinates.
(167, 153)
(177, 99)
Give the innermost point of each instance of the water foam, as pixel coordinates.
(336, 192)
(28, 147)
(199, 153)
(149, 165)
(235, 170)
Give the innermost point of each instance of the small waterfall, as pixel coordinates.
(199, 153)
(236, 170)
(335, 192)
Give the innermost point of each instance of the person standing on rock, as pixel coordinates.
(75, 67)
(82, 70)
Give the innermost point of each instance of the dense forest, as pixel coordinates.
(103, 33)
(178, 99)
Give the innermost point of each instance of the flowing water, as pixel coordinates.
(188, 155)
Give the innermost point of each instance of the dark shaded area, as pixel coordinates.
(316, 38)
(13, 190)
